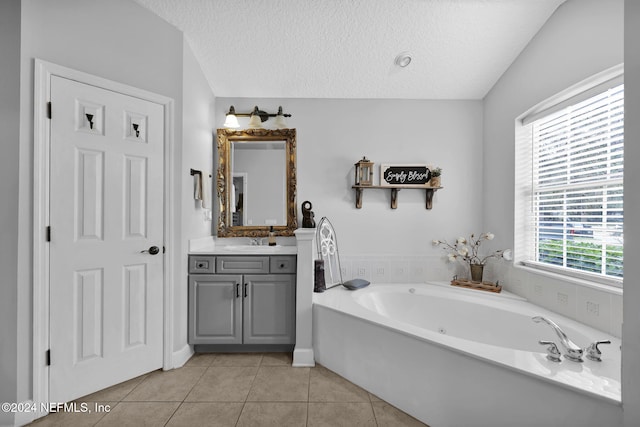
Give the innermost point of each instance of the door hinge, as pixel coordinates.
(48, 110)
(164, 249)
(47, 357)
(48, 234)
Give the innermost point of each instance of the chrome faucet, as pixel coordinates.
(593, 352)
(571, 350)
(257, 241)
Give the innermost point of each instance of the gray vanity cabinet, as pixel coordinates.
(215, 309)
(247, 300)
(269, 309)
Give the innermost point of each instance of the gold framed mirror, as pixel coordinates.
(256, 182)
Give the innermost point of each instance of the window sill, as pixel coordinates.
(614, 288)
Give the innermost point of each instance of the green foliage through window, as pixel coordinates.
(583, 256)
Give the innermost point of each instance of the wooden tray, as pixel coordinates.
(481, 286)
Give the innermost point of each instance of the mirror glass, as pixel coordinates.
(256, 182)
(259, 183)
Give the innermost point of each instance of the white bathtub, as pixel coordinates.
(458, 357)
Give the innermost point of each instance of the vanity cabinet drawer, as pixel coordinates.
(202, 264)
(283, 264)
(242, 264)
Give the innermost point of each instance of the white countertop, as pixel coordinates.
(213, 246)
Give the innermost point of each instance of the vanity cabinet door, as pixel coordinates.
(215, 309)
(269, 309)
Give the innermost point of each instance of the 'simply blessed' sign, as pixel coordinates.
(404, 175)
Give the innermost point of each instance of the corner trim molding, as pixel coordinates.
(303, 351)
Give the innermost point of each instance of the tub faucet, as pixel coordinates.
(571, 350)
(593, 352)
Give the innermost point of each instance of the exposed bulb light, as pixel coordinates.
(231, 120)
(279, 122)
(255, 122)
(403, 59)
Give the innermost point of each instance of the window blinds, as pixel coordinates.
(577, 185)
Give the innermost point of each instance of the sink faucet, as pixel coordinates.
(255, 241)
(571, 350)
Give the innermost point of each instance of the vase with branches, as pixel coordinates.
(468, 251)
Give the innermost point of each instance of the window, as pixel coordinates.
(570, 158)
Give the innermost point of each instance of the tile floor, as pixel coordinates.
(249, 389)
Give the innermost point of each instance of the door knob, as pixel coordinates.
(153, 250)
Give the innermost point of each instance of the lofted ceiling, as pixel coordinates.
(347, 48)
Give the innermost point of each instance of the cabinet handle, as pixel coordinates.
(237, 290)
(281, 265)
(245, 289)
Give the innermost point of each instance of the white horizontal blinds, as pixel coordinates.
(577, 187)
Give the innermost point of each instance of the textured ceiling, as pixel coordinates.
(346, 48)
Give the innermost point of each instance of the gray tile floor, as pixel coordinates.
(250, 389)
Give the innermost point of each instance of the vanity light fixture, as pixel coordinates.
(279, 122)
(403, 59)
(231, 120)
(257, 117)
(255, 122)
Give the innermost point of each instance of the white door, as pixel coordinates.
(106, 208)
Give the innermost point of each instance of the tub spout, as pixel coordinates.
(571, 350)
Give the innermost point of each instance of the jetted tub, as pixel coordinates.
(458, 357)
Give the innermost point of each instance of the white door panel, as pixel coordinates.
(106, 296)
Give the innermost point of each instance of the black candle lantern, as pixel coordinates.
(364, 172)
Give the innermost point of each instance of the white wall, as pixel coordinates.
(9, 154)
(118, 40)
(333, 134)
(197, 153)
(582, 38)
(631, 329)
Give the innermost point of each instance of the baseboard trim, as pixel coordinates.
(180, 357)
(21, 418)
(303, 357)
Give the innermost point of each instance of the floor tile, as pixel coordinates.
(374, 398)
(389, 416)
(277, 414)
(349, 414)
(248, 389)
(327, 386)
(201, 359)
(237, 359)
(279, 383)
(213, 414)
(223, 384)
(114, 393)
(171, 385)
(74, 419)
(277, 359)
(136, 414)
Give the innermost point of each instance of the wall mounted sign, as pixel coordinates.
(400, 175)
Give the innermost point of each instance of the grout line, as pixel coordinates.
(375, 419)
(174, 412)
(250, 387)
(308, 396)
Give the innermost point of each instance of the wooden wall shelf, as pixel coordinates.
(394, 193)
